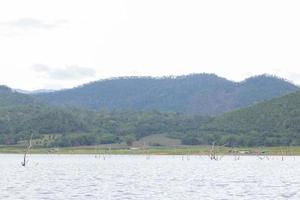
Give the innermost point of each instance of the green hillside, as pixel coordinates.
(271, 123)
(274, 122)
(21, 115)
(202, 94)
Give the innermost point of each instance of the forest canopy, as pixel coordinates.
(270, 123)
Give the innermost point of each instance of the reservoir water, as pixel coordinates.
(119, 177)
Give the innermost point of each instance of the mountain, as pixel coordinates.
(21, 115)
(204, 94)
(34, 91)
(270, 123)
(9, 97)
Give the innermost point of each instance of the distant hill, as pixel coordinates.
(270, 123)
(21, 115)
(204, 94)
(9, 97)
(34, 91)
(274, 122)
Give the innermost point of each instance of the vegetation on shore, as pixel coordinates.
(270, 123)
(180, 150)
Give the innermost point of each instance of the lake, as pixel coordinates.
(56, 177)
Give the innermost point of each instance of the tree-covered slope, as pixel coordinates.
(21, 115)
(204, 94)
(10, 98)
(263, 87)
(270, 123)
(273, 122)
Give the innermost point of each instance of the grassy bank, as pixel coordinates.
(179, 150)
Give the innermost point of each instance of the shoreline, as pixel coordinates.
(178, 150)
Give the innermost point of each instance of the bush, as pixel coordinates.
(109, 139)
(129, 140)
(155, 144)
(190, 140)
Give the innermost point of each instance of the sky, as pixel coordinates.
(55, 44)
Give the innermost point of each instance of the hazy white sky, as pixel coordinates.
(63, 43)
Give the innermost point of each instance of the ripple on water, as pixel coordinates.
(134, 177)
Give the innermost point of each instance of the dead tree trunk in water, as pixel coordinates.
(27, 151)
(212, 152)
(145, 151)
(281, 150)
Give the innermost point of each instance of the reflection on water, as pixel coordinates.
(160, 177)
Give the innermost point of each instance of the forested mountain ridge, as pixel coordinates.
(203, 94)
(22, 115)
(270, 123)
(8, 97)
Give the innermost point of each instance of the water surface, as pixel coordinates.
(56, 177)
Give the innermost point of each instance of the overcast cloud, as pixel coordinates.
(30, 23)
(64, 74)
(21, 25)
(233, 38)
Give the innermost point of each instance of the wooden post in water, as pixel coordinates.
(96, 151)
(281, 154)
(188, 155)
